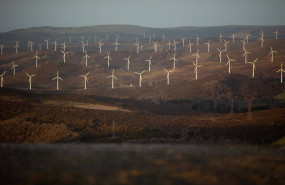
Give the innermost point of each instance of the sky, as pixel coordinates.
(16, 14)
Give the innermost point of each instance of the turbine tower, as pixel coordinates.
(174, 44)
(233, 37)
(276, 34)
(272, 53)
(221, 38)
(64, 54)
(64, 46)
(245, 56)
(113, 77)
(128, 62)
(169, 44)
(197, 40)
(116, 45)
(1, 46)
(37, 58)
(57, 80)
(46, 42)
(190, 46)
(2, 79)
(17, 46)
(83, 47)
(226, 44)
(30, 80)
(243, 44)
(262, 41)
(163, 38)
(167, 76)
(100, 45)
(220, 54)
(229, 63)
(208, 45)
(174, 60)
(196, 69)
(155, 44)
(140, 82)
(253, 66)
(86, 58)
(246, 36)
(14, 68)
(183, 41)
(108, 58)
(138, 47)
(281, 70)
(149, 62)
(85, 79)
(31, 45)
(196, 55)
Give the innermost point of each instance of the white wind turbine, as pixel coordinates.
(140, 82)
(128, 62)
(46, 42)
(108, 58)
(220, 54)
(229, 63)
(64, 46)
(64, 55)
(149, 62)
(253, 66)
(197, 56)
(86, 58)
(190, 46)
(113, 77)
(281, 70)
(138, 47)
(245, 55)
(167, 76)
(233, 37)
(17, 46)
(261, 33)
(169, 44)
(276, 34)
(155, 44)
(83, 47)
(174, 60)
(262, 41)
(31, 45)
(85, 79)
(37, 58)
(196, 69)
(30, 80)
(246, 36)
(100, 45)
(14, 68)
(116, 45)
(221, 38)
(183, 41)
(226, 44)
(197, 40)
(2, 78)
(141, 47)
(174, 44)
(55, 45)
(243, 43)
(272, 53)
(1, 46)
(57, 80)
(208, 45)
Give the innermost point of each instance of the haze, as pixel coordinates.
(15, 14)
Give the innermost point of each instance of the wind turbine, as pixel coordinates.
(1, 46)
(155, 44)
(246, 36)
(149, 62)
(57, 79)
(174, 60)
(226, 44)
(233, 37)
(174, 44)
(261, 34)
(196, 55)
(272, 53)
(82, 39)
(86, 58)
(183, 41)
(2, 79)
(113, 77)
(46, 42)
(83, 47)
(87, 42)
(197, 40)
(14, 68)
(262, 41)
(220, 54)
(243, 43)
(253, 66)
(116, 45)
(141, 47)
(55, 45)
(167, 76)
(245, 55)
(196, 69)
(140, 83)
(30, 79)
(281, 70)
(37, 58)
(108, 58)
(128, 63)
(208, 44)
(221, 38)
(16, 46)
(229, 63)
(85, 79)
(163, 37)
(190, 46)
(169, 44)
(138, 47)
(100, 45)
(276, 34)
(31, 45)
(64, 54)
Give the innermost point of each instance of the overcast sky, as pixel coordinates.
(15, 14)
